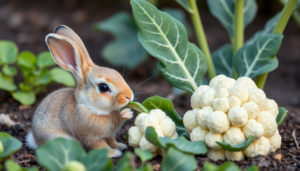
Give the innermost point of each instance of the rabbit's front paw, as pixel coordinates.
(121, 146)
(115, 153)
(127, 113)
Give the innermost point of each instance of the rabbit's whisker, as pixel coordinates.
(143, 82)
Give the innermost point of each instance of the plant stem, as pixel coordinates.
(201, 38)
(279, 28)
(238, 30)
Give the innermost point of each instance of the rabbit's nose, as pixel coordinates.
(127, 97)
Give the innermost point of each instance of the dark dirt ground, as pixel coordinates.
(27, 23)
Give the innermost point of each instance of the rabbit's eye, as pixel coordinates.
(103, 87)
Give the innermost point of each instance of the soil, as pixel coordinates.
(27, 23)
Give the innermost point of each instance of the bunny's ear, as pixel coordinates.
(67, 55)
(69, 33)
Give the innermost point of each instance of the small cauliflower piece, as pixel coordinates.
(222, 92)
(268, 121)
(148, 121)
(221, 104)
(259, 147)
(240, 92)
(168, 127)
(139, 118)
(189, 119)
(207, 97)
(198, 134)
(216, 80)
(246, 82)
(257, 96)
(275, 141)
(234, 156)
(226, 83)
(234, 136)
(174, 136)
(201, 116)
(216, 154)
(210, 140)
(234, 101)
(134, 136)
(271, 106)
(217, 122)
(253, 128)
(238, 116)
(146, 145)
(195, 99)
(159, 114)
(252, 109)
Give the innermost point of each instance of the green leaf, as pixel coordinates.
(252, 168)
(12, 166)
(8, 52)
(63, 77)
(144, 155)
(96, 160)
(148, 167)
(44, 78)
(25, 98)
(55, 154)
(9, 71)
(258, 58)
(281, 116)
(137, 106)
(185, 5)
(10, 145)
(7, 83)
(24, 87)
(223, 10)
(27, 59)
(166, 105)
(239, 147)
(126, 162)
(179, 15)
(45, 59)
(181, 63)
(124, 50)
(209, 167)
(181, 143)
(228, 166)
(127, 136)
(178, 161)
(223, 62)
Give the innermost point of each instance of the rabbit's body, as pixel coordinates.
(92, 112)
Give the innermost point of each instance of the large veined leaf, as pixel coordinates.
(166, 105)
(143, 154)
(8, 52)
(258, 58)
(181, 63)
(97, 160)
(223, 62)
(185, 5)
(10, 145)
(223, 10)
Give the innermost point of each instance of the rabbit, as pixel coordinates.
(92, 112)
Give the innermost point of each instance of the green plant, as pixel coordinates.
(35, 71)
(227, 166)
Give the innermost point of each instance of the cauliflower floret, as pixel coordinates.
(275, 141)
(234, 156)
(139, 118)
(246, 82)
(201, 116)
(257, 96)
(234, 101)
(174, 136)
(222, 92)
(159, 114)
(252, 109)
(234, 136)
(253, 128)
(217, 122)
(268, 121)
(271, 106)
(216, 154)
(198, 134)
(240, 92)
(148, 121)
(146, 145)
(134, 136)
(226, 83)
(189, 119)
(259, 147)
(195, 99)
(168, 127)
(238, 116)
(207, 97)
(210, 140)
(216, 80)
(221, 104)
